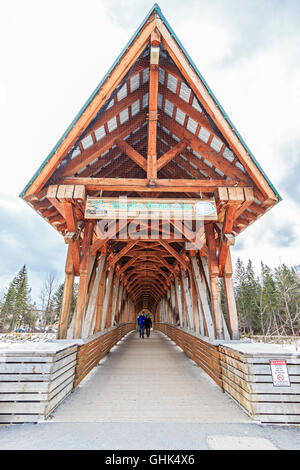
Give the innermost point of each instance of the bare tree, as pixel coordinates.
(46, 297)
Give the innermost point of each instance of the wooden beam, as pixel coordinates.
(170, 154)
(65, 312)
(158, 185)
(226, 229)
(115, 228)
(131, 153)
(202, 296)
(174, 253)
(85, 269)
(106, 298)
(152, 116)
(71, 222)
(232, 316)
(214, 281)
(93, 152)
(206, 151)
(114, 259)
(100, 298)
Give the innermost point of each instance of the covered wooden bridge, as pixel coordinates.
(149, 187)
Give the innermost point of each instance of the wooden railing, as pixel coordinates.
(94, 348)
(204, 353)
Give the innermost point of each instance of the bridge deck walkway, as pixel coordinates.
(148, 380)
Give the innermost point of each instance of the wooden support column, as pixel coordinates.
(232, 316)
(72, 228)
(119, 303)
(85, 271)
(116, 293)
(110, 303)
(107, 298)
(202, 296)
(188, 299)
(226, 237)
(67, 297)
(196, 312)
(173, 294)
(152, 118)
(214, 281)
(179, 301)
(89, 320)
(101, 293)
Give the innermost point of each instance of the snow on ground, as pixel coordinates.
(26, 337)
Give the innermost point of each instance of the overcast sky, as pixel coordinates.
(54, 54)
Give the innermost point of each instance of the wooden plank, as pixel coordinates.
(20, 418)
(35, 377)
(51, 196)
(144, 185)
(35, 397)
(278, 419)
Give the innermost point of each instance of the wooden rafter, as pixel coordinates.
(152, 116)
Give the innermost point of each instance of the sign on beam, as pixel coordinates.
(126, 208)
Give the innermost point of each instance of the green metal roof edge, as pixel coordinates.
(158, 10)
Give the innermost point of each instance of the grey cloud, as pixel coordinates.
(25, 238)
(290, 181)
(254, 24)
(283, 237)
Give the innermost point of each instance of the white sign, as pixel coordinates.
(124, 208)
(280, 374)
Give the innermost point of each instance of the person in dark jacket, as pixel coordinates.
(148, 325)
(141, 324)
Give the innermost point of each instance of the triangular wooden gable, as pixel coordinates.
(109, 138)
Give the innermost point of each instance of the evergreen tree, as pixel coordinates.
(268, 301)
(246, 290)
(16, 301)
(58, 298)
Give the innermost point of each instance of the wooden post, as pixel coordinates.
(89, 321)
(188, 300)
(100, 298)
(214, 281)
(179, 301)
(172, 287)
(116, 293)
(233, 322)
(85, 271)
(106, 298)
(152, 117)
(67, 297)
(202, 295)
(196, 312)
(119, 302)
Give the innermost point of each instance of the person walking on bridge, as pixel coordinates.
(141, 324)
(148, 324)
